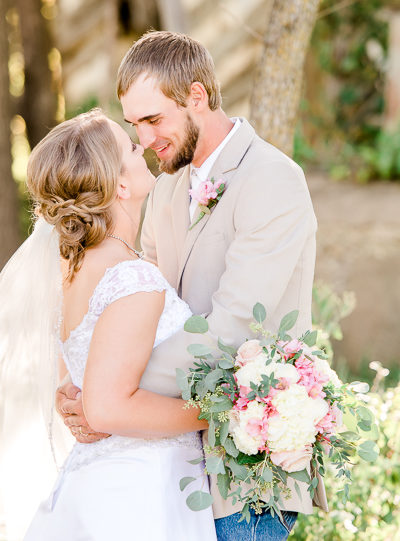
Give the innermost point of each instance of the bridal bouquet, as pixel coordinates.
(275, 410)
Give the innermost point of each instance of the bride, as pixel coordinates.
(88, 181)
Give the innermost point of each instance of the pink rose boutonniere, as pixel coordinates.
(207, 195)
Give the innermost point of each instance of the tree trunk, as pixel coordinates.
(9, 224)
(279, 74)
(39, 103)
(392, 89)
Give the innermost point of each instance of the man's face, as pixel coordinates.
(161, 124)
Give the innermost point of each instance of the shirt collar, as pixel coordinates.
(203, 171)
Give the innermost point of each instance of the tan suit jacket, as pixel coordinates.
(257, 245)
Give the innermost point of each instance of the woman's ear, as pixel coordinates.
(123, 192)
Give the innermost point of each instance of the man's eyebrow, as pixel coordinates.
(144, 118)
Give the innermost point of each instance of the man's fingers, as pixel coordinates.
(84, 435)
(71, 407)
(75, 421)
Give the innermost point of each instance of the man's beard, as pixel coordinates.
(185, 153)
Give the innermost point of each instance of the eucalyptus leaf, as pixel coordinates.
(211, 379)
(185, 481)
(231, 448)
(197, 501)
(310, 338)
(199, 350)
(350, 436)
(267, 475)
(196, 461)
(365, 414)
(368, 451)
(196, 324)
(215, 464)
(183, 384)
(201, 389)
(298, 491)
(223, 432)
(223, 483)
(288, 322)
(302, 476)
(240, 472)
(259, 313)
(224, 405)
(226, 363)
(227, 349)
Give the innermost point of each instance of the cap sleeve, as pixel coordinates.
(126, 278)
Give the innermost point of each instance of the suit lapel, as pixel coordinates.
(180, 210)
(224, 168)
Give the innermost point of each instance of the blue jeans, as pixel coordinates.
(260, 528)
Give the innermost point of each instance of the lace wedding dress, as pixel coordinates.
(120, 488)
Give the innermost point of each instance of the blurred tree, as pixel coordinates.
(279, 74)
(9, 225)
(39, 101)
(392, 83)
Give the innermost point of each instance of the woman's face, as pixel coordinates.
(135, 174)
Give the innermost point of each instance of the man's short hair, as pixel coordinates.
(176, 61)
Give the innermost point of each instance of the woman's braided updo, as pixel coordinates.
(72, 177)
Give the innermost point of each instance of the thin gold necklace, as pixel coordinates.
(139, 254)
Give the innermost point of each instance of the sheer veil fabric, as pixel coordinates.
(33, 440)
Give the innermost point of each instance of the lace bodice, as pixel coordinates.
(123, 279)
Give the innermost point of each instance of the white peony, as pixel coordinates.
(238, 423)
(294, 427)
(322, 366)
(287, 371)
(290, 433)
(253, 371)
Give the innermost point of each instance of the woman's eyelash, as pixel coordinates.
(133, 146)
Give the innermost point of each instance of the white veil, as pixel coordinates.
(30, 312)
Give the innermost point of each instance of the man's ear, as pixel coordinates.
(123, 192)
(198, 96)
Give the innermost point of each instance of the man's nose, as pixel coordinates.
(146, 135)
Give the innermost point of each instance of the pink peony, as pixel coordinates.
(292, 461)
(248, 352)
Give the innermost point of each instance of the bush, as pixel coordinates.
(373, 512)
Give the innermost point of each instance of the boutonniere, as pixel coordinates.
(207, 194)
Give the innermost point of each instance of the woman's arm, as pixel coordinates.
(121, 346)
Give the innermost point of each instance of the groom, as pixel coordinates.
(256, 245)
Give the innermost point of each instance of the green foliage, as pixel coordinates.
(342, 115)
(373, 511)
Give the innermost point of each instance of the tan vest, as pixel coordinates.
(257, 245)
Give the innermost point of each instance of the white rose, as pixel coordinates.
(291, 461)
(248, 352)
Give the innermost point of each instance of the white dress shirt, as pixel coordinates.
(200, 174)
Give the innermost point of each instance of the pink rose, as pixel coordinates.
(205, 192)
(248, 352)
(291, 461)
